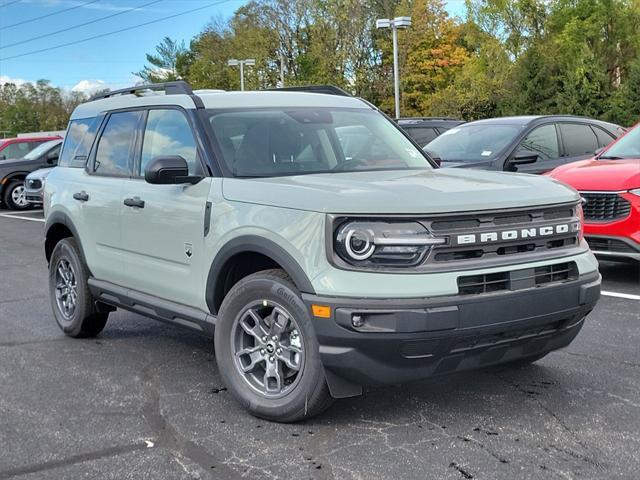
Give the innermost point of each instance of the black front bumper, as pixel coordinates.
(410, 339)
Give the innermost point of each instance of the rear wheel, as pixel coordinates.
(15, 197)
(73, 305)
(267, 351)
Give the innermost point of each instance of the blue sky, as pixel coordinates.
(107, 61)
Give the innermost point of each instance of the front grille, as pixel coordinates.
(605, 206)
(34, 184)
(609, 245)
(477, 224)
(517, 279)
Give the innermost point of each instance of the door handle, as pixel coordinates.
(81, 196)
(134, 202)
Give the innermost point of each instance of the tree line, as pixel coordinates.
(503, 57)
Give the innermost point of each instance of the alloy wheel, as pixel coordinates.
(268, 349)
(19, 196)
(66, 289)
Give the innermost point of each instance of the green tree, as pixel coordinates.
(164, 63)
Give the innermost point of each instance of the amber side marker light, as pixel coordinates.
(321, 311)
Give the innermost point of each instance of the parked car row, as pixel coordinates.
(13, 173)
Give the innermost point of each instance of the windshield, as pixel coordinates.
(297, 141)
(472, 143)
(40, 149)
(627, 147)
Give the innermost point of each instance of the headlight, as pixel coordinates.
(635, 191)
(383, 244)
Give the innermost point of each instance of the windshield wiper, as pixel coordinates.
(612, 157)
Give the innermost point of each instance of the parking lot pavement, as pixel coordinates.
(145, 400)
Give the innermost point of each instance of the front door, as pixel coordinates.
(163, 225)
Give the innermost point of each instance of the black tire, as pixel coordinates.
(307, 393)
(84, 321)
(8, 196)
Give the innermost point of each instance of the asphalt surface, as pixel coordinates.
(145, 400)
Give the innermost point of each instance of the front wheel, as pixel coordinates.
(267, 351)
(15, 196)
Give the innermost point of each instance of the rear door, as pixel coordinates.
(579, 141)
(163, 237)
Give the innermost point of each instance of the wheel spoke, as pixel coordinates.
(257, 330)
(273, 377)
(279, 321)
(254, 355)
(63, 272)
(290, 358)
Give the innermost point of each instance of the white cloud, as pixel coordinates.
(89, 86)
(18, 81)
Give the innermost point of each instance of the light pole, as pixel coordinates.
(249, 62)
(394, 24)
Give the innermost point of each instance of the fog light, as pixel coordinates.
(357, 321)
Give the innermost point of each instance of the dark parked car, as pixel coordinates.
(425, 129)
(527, 144)
(13, 173)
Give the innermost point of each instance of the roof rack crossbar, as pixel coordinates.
(170, 88)
(326, 89)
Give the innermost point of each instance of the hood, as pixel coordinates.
(40, 174)
(596, 175)
(400, 192)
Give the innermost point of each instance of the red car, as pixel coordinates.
(610, 185)
(18, 147)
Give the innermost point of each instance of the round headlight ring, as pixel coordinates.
(359, 252)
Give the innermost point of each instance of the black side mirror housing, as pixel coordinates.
(169, 170)
(523, 157)
(52, 158)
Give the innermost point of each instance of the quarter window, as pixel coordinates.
(544, 141)
(168, 133)
(578, 139)
(78, 141)
(604, 138)
(113, 156)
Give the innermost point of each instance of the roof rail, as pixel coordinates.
(169, 88)
(327, 89)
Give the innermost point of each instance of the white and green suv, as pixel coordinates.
(311, 238)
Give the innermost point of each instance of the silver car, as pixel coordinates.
(34, 185)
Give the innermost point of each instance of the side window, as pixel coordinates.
(18, 150)
(603, 137)
(168, 133)
(543, 140)
(77, 142)
(578, 139)
(115, 146)
(422, 135)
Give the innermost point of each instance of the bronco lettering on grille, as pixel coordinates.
(517, 234)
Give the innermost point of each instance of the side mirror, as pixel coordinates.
(169, 170)
(523, 157)
(52, 158)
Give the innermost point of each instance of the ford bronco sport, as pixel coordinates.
(317, 269)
